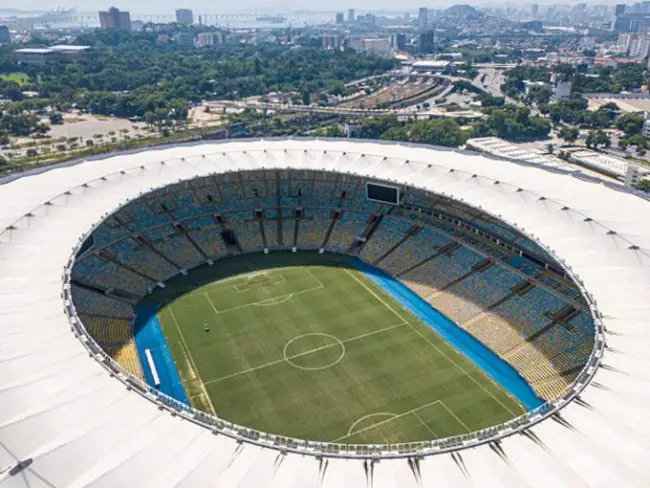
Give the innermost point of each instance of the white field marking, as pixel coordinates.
(455, 416)
(314, 368)
(278, 361)
(274, 301)
(224, 281)
(378, 414)
(214, 309)
(248, 286)
(189, 355)
(263, 302)
(320, 283)
(383, 422)
(431, 343)
(424, 424)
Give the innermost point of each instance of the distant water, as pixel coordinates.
(229, 21)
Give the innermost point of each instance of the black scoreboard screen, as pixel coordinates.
(383, 193)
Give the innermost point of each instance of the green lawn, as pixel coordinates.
(21, 78)
(301, 345)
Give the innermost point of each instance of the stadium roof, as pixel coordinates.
(65, 422)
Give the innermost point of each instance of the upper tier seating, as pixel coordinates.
(414, 250)
(388, 234)
(349, 226)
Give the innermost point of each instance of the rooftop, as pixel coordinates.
(71, 423)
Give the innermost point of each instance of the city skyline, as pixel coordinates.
(277, 5)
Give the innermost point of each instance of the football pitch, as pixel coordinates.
(304, 346)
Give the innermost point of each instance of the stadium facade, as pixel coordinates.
(69, 418)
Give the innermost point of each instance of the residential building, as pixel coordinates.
(351, 15)
(534, 10)
(378, 47)
(371, 46)
(115, 19)
(563, 90)
(331, 41)
(340, 18)
(205, 39)
(184, 16)
(184, 39)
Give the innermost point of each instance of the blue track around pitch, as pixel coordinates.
(491, 364)
(149, 335)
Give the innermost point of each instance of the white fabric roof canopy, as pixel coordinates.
(80, 427)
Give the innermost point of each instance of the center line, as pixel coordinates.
(304, 353)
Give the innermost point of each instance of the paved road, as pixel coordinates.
(355, 112)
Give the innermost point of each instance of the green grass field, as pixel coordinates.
(301, 345)
(21, 78)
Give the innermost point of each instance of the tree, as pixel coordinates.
(639, 141)
(56, 118)
(598, 138)
(644, 185)
(631, 124)
(512, 123)
(539, 95)
(569, 134)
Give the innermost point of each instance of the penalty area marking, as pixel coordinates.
(370, 415)
(383, 422)
(274, 301)
(288, 359)
(267, 302)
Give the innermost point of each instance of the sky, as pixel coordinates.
(210, 6)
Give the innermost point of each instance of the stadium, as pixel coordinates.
(313, 312)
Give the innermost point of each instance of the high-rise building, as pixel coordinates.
(640, 47)
(351, 15)
(398, 41)
(114, 19)
(423, 19)
(624, 40)
(534, 10)
(340, 18)
(620, 9)
(5, 35)
(184, 16)
(426, 42)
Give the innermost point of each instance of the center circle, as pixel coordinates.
(314, 351)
